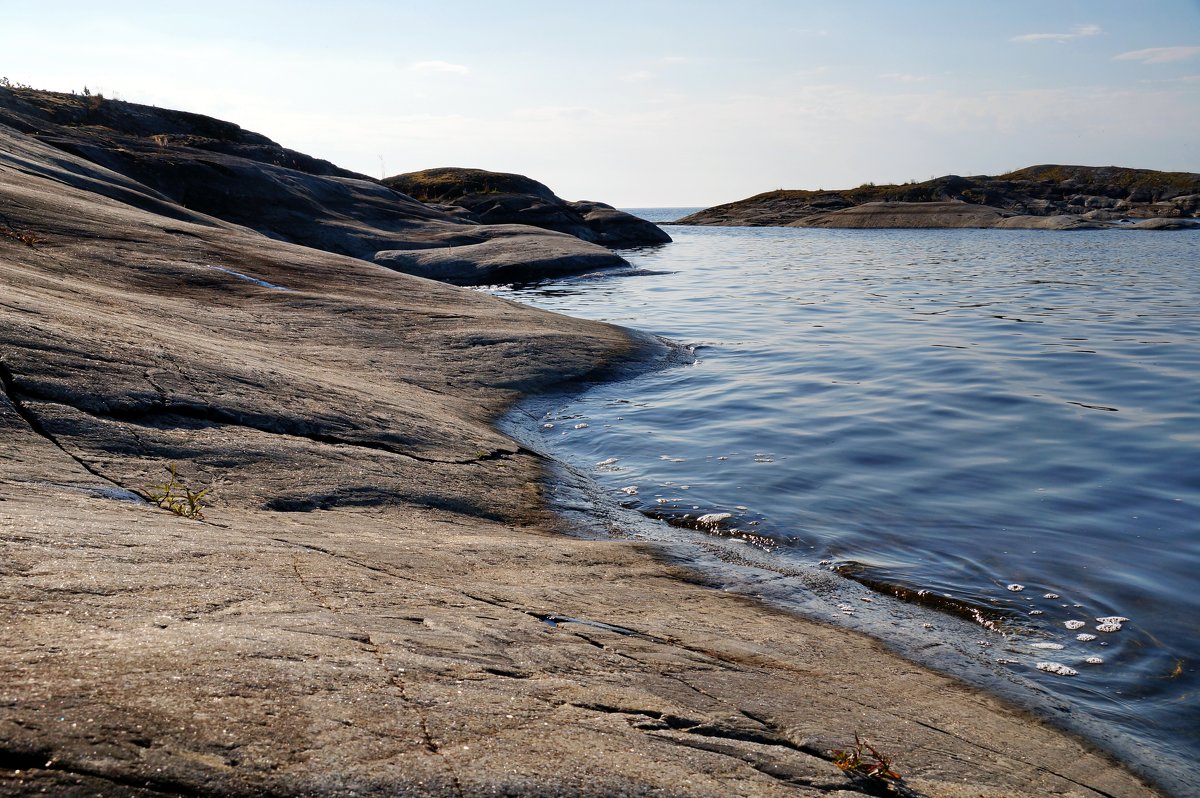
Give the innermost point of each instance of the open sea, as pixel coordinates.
(983, 447)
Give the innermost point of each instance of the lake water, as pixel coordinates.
(995, 435)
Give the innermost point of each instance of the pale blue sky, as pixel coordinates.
(653, 103)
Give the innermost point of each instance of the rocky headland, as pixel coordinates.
(1038, 197)
(373, 599)
(502, 198)
(184, 165)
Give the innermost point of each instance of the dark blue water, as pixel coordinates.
(1007, 420)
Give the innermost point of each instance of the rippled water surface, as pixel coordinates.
(1007, 419)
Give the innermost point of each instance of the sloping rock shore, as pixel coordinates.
(179, 165)
(1087, 196)
(502, 198)
(375, 601)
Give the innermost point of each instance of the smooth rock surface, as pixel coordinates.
(192, 167)
(1065, 221)
(498, 253)
(907, 214)
(376, 602)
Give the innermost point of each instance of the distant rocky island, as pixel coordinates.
(1041, 197)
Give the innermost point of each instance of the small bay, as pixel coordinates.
(999, 424)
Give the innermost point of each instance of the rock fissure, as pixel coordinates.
(372, 645)
(8, 384)
(765, 765)
(272, 425)
(25, 761)
(998, 752)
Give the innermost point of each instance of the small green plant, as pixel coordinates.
(864, 762)
(177, 497)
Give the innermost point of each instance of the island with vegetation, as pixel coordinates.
(1039, 197)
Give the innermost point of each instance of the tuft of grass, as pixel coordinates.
(863, 762)
(177, 497)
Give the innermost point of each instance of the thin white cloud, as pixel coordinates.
(443, 67)
(1078, 32)
(675, 59)
(1159, 55)
(904, 77)
(639, 76)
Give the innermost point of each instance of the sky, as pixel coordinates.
(652, 103)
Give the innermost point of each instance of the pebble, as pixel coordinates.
(630, 489)
(712, 519)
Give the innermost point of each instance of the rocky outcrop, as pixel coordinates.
(375, 601)
(1116, 192)
(942, 215)
(501, 198)
(506, 253)
(192, 167)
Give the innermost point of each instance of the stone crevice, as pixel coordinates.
(8, 385)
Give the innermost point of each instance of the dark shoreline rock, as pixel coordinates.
(503, 198)
(1040, 191)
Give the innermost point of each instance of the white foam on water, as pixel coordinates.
(581, 426)
(1047, 646)
(1094, 660)
(630, 489)
(607, 462)
(1084, 637)
(1057, 668)
(1073, 624)
(1016, 588)
(1051, 596)
(1117, 619)
(1108, 627)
